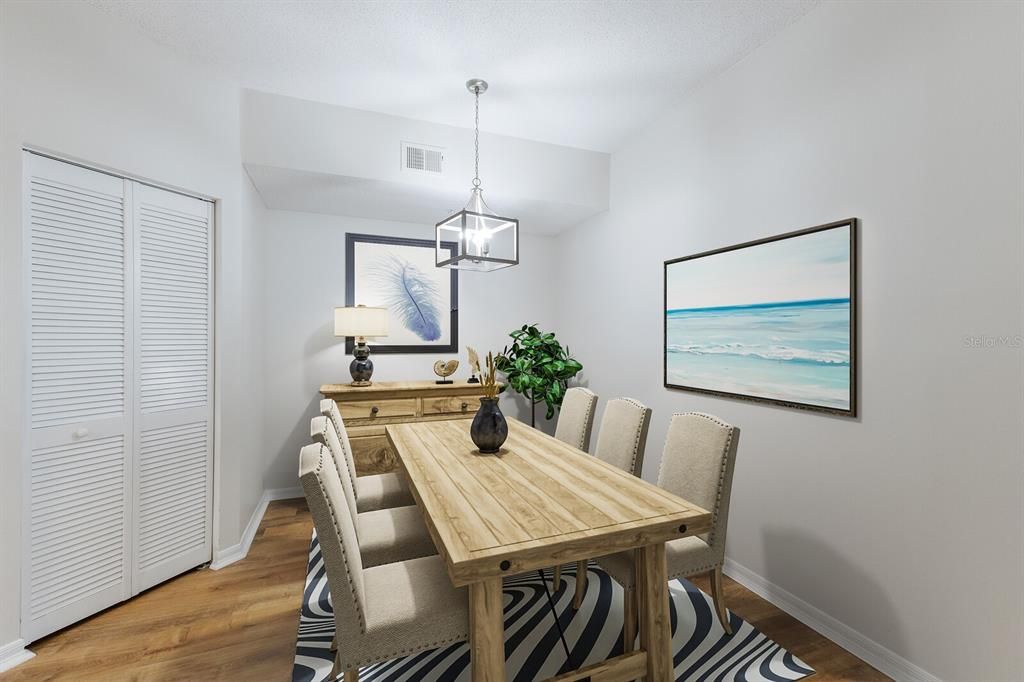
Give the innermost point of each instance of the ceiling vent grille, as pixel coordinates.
(421, 158)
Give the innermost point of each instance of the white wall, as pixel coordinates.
(75, 82)
(904, 524)
(251, 447)
(304, 279)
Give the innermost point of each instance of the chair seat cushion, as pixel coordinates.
(382, 491)
(412, 606)
(683, 557)
(389, 535)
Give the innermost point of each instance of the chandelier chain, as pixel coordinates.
(476, 141)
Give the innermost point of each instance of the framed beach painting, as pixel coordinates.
(399, 274)
(771, 320)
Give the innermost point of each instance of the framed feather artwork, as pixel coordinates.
(399, 274)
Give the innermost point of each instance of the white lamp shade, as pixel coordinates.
(360, 321)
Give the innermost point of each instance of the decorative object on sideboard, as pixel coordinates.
(399, 274)
(537, 366)
(360, 322)
(444, 370)
(474, 365)
(485, 241)
(489, 428)
(772, 320)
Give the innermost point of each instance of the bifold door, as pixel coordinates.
(118, 477)
(172, 406)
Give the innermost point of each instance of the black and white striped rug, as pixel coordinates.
(532, 648)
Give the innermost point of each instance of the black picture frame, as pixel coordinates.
(853, 224)
(351, 239)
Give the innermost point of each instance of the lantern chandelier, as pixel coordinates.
(476, 238)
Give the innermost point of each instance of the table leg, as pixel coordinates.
(486, 631)
(655, 623)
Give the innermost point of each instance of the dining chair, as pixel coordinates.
(374, 491)
(576, 417)
(384, 535)
(697, 465)
(381, 612)
(620, 442)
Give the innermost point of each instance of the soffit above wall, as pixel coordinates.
(294, 190)
(320, 158)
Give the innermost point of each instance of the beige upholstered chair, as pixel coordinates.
(383, 612)
(697, 465)
(576, 417)
(621, 443)
(384, 535)
(376, 491)
(623, 434)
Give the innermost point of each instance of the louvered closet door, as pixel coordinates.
(174, 385)
(76, 479)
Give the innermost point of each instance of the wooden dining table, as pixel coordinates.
(537, 503)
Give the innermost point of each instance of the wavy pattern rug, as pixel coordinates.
(532, 647)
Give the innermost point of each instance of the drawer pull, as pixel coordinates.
(464, 406)
(80, 433)
(374, 410)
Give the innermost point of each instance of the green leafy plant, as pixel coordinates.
(537, 366)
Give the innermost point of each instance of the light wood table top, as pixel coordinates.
(536, 503)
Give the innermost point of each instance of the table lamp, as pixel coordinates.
(361, 322)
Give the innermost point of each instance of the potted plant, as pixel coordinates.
(537, 366)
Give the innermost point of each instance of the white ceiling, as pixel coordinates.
(582, 74)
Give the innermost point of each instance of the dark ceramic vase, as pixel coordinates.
(489, 429)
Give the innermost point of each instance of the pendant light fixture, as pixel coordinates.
(476, 238)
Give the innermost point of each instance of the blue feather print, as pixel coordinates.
(410, 295)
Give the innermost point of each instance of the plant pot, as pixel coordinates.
(489, 429)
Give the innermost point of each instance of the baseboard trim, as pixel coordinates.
(864, 648)
(14, 653)
(229, 555)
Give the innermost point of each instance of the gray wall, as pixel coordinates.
(904, 524)
(304, 279)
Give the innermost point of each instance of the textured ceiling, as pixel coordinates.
(583, 74)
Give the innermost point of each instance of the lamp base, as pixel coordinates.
(361, 367)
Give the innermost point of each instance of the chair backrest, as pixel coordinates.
(623, 434)
(576, 417)
(697, 465)
(329, 409)
(321, 430)
(336, 533)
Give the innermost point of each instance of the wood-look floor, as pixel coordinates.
(239, 623)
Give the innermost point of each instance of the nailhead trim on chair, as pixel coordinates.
(636, 443)
(587, 417)
(339, 427)
(403, 652)
(351, 478)
(337, 531)
(721, 473)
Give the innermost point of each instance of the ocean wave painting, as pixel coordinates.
(771, 320)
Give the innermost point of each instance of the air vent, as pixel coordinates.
(422, 158)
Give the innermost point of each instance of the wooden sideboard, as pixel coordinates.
(368, 409)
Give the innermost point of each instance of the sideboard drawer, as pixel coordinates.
(451, 405)
(373, 409)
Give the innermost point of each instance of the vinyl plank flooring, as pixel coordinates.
(240, 623)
